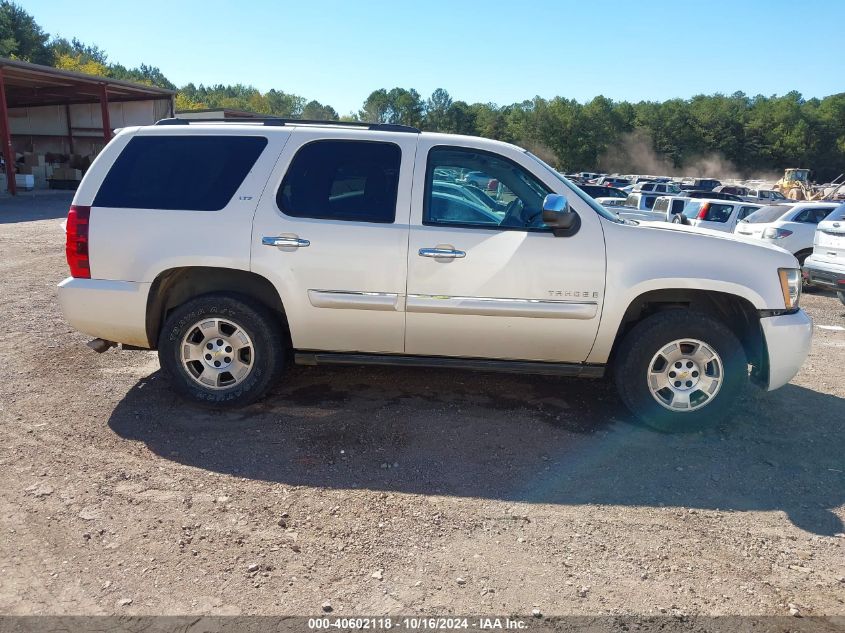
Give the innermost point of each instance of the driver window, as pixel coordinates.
(468, 187)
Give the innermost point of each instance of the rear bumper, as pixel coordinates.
(788, 338)
(826, 274)
(111, 310)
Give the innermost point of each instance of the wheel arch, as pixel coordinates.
(736, 312)
(173, 287)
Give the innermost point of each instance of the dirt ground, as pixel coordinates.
(395, 491)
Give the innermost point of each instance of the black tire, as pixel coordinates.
(267, 353)
(647, 338)
(801, 256)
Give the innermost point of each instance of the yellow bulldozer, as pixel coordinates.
(796, 185)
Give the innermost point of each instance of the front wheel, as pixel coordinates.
(680, 370)
(221, 350)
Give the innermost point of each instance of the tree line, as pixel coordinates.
(750, 134)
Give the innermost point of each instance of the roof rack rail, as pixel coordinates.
(277, 121)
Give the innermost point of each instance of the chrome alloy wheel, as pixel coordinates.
(685, 375)
(217, 353)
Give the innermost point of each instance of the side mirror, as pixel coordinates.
(559, 217)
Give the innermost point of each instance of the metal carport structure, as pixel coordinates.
(25, 85)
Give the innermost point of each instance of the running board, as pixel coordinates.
(473, 364)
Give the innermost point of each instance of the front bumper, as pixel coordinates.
(826, 275)
(788, 338)
(111, 310)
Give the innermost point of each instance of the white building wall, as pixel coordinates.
(44, 129)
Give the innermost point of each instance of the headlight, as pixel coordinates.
(790, 284)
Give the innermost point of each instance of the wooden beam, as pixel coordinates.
(8, 151)
(104, 109)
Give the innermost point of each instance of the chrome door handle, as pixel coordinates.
(294, 242)
(442, 253)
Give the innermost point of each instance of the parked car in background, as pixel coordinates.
(589, 176)
(640, 200)
(766, 195)
(605, 196)
(790, 226)
(635, 180)
(825, 266)
(613, 181)
(713, 195)
(468, 192)
(699, 184)
(714, 214)
(670, 206)
(734, 190)
(477, 178)
(598, 191)
(658, 187)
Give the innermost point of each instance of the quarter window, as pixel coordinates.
(467, 187)
(192, 173)
(356, 181)
(812, 215)
(744, 212)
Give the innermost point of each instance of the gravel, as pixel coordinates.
(540, 490)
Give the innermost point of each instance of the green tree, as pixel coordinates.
(315, 110)
(21, 37)
(437, 111)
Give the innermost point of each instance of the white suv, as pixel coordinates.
(234, 248)
(716, 215)
(790, 226)
(826, 265)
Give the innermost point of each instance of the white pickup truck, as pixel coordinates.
(235, 248)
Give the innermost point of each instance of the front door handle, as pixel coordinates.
(294, 242)
(442, 253)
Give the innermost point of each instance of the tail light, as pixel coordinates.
(772, 233)
(76, 245)
(702, 213)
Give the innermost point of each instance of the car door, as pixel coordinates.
(501, 287)
(331, 233)
(804, 226)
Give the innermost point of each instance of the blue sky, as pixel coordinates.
(493, 51)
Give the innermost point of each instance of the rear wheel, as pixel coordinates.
(221, 350)
(802, 256)
(680, 370)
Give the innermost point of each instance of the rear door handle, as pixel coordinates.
(442, 253)
(289, 242)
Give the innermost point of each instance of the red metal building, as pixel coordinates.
(26, 87)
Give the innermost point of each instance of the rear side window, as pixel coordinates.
(718, 212)
(691, 210)
(812, 215)
(192, 173)
(768, 214)
(356, 181)
(661, 205)
(744, 212)
(838, 214)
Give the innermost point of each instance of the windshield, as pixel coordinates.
(767, 214)
(595, 206)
